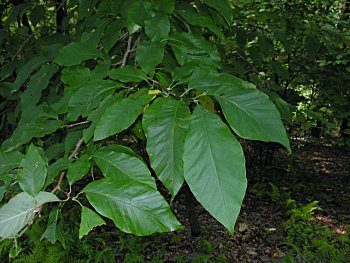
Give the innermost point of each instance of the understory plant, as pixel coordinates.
(311, 241)
(106, 98)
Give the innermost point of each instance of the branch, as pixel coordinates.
(77, 124)
(126, 54)
(22, 46)
(164, 88)
(128, 50)
(73, 155)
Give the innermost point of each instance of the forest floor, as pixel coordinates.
(312, 173)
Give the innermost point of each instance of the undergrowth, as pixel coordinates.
(306, 238)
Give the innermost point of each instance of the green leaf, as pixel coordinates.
(249, 111)
(111, 35)
(37, 84)
(127, 74)
(89, 220)
(222, 7)
(166, 123)
(55, 169)
(128, 195)
(118, 160)
(9, 160)
(34, 170)
(36, 121)
(121, 114)
(78, 169)
(75, 53)
(86, 7)
(193, 17)
(2, 192)
(88, 97)
(164, 5)
(20, 210)
(214, 167)
(149, 55)
(282, 106)
(96, 114)
(158, 27)
(136, 15)
(100, 71)
(53, 232)
(26, 70)
(189, 47)
(75, 75)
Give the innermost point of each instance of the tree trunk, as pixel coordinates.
(61, 13)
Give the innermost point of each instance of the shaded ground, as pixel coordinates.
(312, 173)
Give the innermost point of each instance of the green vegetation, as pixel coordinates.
(111, 111)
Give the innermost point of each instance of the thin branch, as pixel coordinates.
(77, 124)
(22, 46)
(126, 54)
(73, 155)
(128, 50)
(164, 88)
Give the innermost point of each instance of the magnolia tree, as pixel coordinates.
(82, 77)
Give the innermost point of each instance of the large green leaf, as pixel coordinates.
(214, 167)
(127, 74)
(134, 207)
(20, 210)
(121, 114)
(9, 160)
(158, 27)
(34, 170)
(166, 123)
(37, 84)
(149, 55)
(120, 161)
(89, 220)
(128, 195)
(75, 53)
(249, 111)
(88, 97)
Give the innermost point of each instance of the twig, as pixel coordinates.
(73, 155)
(126, 54)
(58, 185)
(164, 88)
(22, 46)
(77, 124)
(136, 43)
(128, 50)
